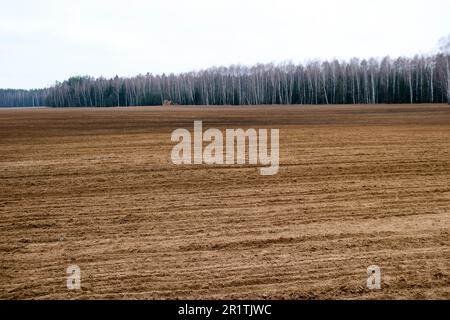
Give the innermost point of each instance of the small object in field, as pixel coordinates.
(168, 103)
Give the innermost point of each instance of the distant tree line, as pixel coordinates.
(23, 98)
(421, 79)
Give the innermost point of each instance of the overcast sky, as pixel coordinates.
(44, 41)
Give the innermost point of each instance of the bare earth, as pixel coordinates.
(358, 185)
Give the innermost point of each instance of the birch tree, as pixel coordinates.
(445, 49)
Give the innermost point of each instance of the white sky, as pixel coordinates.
(44, 41)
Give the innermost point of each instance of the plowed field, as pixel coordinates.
(357, 186)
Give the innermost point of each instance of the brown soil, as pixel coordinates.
(358, 185)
